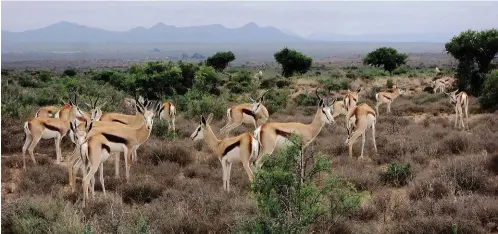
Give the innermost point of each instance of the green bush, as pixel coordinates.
(397, 174)
(306, 99)
(401, 70)
(207, 80)
(276, 100)
(489, 96)
(389, 83)
(335, 84)
(45, 76)
(241, 82)
(69, 72)
(195, 103)
(288, 203)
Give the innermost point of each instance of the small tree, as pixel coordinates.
(387, 57)
(292, 62)
(474, 52)
(220, 60)
(287, 204)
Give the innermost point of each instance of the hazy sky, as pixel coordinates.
(300, 17)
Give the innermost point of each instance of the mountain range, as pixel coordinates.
(67, 32)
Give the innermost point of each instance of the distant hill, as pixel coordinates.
(66, 32)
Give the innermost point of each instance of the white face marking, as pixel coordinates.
(326, 115)
(149, 119)
(255, 106)
(198, 134)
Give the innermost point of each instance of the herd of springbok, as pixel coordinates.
(96, 135)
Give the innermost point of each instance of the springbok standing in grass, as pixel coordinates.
(460, 100)
(94, 150)
(274, 135)
(388, 98)
(124, 138)
(246, 113)
(342, 107)
(362, 117)
(228, 150)
(48, 128)
(438, 85)
(168, 113)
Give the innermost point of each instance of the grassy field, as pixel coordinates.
(176, 185)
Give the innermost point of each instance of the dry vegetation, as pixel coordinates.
(176, 185)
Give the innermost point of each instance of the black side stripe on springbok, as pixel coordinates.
(119, 121)
(248, 112)
(115, 139)
(230, 147)
(50, 127)
(282, 133)
(106, 148)
(387, 97)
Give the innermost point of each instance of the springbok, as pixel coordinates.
(362, 117)
(124, 138)
(388, 98)
(48, 128)
(246, 113)
(168, 113)
(228, 150)
(460, 100)
(274, 135)
(94, 151)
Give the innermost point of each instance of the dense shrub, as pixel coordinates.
(306, 99)
(195, 103)
(397, 174)
(489, 95)
(276, 100)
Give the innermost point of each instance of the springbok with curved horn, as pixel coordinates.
(48, 128)
(76, 161)
(228, 150)
(388, 98)
(362, 117)
(124, 138)
(168, 113)
(246, 113)
(460, 100)
(274, 135)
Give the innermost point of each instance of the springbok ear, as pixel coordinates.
(333, 101)
(456, 91)
(90, 127)
(320, 103)
(72, 126)
(203, 120)
(251, 100)
(210, 118)
(358, 90)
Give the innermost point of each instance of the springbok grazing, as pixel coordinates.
(460, 100)
(246, 113)
(228, 150)
(274, 135)
(48, 128)
(362, 117)
(124, 138)
(388, 98)
(168, 113)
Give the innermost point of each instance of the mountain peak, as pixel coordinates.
(251, 25)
